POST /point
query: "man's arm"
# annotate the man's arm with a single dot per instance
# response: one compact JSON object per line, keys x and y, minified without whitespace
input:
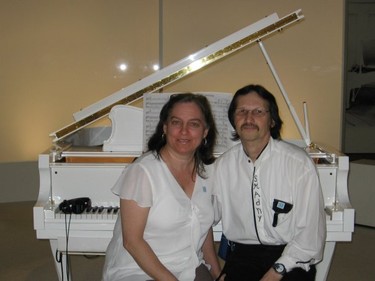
{"x":306,"y":247}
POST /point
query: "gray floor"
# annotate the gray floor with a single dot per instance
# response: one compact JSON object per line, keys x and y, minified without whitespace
{"x":23,"y":257}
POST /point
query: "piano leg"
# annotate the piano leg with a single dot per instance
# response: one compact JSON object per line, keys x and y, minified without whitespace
{"x":61,"y":261}
{"x":322,"y":268}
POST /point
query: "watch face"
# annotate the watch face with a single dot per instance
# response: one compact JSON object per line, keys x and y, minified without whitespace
{"x":280,"y":268}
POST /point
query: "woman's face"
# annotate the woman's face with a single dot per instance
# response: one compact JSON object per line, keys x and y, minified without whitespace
{"x":185,"y":128}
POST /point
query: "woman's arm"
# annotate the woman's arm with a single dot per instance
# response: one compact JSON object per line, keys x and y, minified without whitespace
{"x":133,"y":220}
{"x":209,"y":255}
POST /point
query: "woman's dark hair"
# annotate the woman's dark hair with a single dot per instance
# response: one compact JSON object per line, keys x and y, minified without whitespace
{"x":204,"y":153}
{"x":273,"y":108}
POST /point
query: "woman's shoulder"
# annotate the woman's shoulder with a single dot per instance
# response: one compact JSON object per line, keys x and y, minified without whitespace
{"x":145,"y":162}
{"x":146,"y":158}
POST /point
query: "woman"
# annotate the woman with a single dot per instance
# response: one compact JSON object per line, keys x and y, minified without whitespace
{"x":164,"y":228}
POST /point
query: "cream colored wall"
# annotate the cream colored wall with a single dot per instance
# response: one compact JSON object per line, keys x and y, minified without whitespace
{"x":57,"y":57}
{"x":60,"y":56}
{"x":307,"y":56}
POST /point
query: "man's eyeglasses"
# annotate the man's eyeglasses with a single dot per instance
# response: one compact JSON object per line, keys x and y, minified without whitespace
{"x":257,"y":112}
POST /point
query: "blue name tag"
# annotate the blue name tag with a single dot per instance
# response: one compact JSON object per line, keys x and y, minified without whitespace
{"x":280,"y":205}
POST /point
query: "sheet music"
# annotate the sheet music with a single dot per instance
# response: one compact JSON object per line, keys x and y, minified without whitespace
{"x":219,"y":106}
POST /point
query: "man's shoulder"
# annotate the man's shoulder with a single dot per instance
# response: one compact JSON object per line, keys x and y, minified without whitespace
{"x":228,"y":156}
{"x":231,"y":152}
{"x":292,"y":152}
{"x":286,"y":146}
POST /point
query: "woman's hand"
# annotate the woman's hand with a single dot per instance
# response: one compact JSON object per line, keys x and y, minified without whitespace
{"x":221,"y":278}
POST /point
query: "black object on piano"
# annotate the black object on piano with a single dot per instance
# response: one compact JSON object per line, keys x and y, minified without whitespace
{"x":76,"y":205}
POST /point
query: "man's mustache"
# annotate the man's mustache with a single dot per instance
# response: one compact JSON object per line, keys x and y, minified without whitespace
{"x":249,"y":125}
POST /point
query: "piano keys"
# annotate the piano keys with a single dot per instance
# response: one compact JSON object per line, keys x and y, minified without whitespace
{"x":73,"y":167}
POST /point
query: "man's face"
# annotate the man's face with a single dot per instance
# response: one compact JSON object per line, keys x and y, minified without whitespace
{"x":252,"y":118}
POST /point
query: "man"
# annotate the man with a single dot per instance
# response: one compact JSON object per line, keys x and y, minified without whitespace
{"x":268,"y":196}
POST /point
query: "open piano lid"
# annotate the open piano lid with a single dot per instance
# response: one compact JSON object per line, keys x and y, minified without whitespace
{"x":214,"y":52}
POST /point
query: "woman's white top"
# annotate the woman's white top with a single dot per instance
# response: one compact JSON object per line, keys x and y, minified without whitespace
{"x":176,"y":227}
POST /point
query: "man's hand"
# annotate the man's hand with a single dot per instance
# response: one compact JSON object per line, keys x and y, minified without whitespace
{"x":271,"y":275}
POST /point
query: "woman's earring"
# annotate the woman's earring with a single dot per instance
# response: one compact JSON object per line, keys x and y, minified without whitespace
{"x":204,"y":141}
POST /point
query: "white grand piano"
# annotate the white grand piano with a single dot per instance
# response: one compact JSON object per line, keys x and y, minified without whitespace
{"x":86,"y":161}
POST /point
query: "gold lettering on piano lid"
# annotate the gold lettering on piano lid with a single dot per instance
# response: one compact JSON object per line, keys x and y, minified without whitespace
{"x":99,"y":159}
{"x":196,"y":65}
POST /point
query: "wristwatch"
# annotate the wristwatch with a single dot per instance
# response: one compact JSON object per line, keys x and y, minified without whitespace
{"x":279,"y":268}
